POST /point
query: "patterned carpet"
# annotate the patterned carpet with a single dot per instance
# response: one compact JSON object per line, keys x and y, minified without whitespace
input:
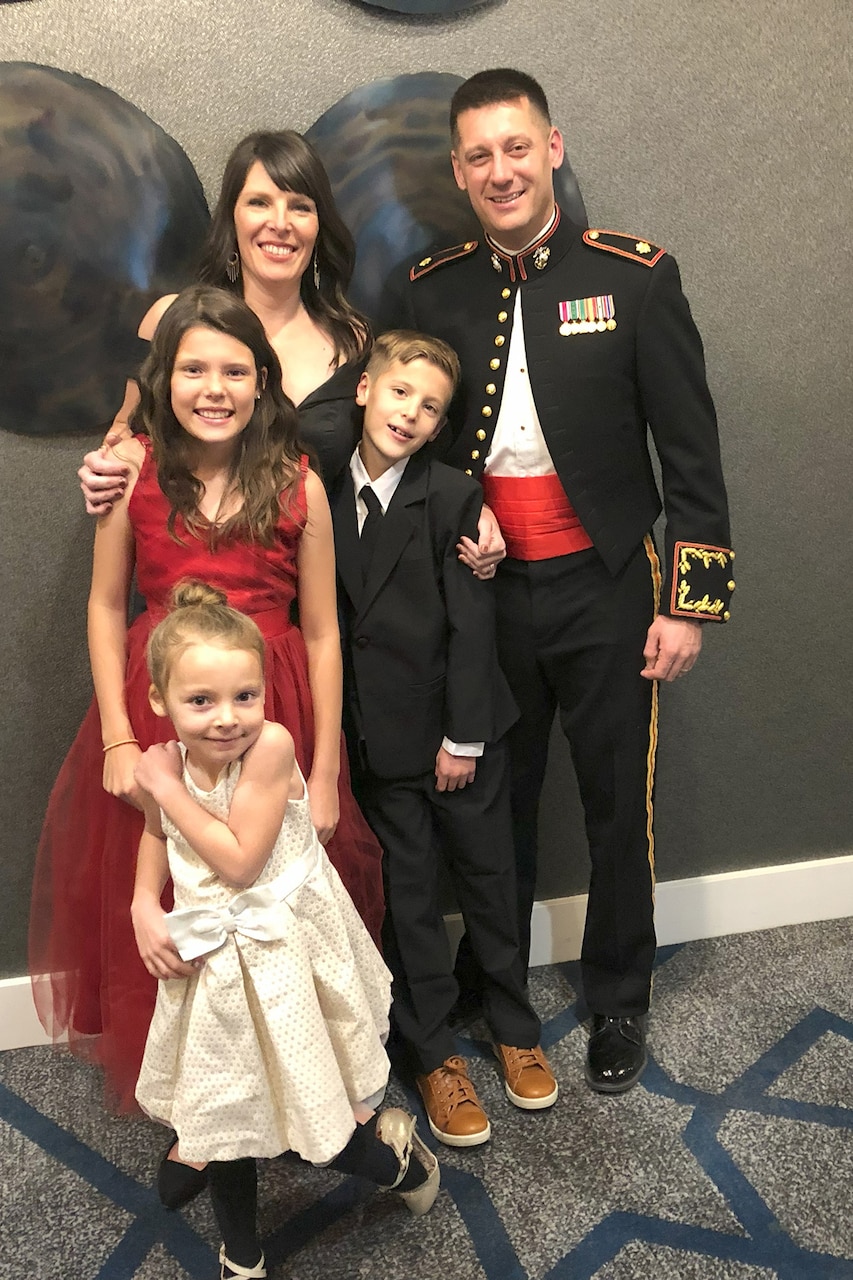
{"x":732,"y":1160}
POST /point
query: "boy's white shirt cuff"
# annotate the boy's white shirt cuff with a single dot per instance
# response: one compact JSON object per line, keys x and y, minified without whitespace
{"x":463,"y":748}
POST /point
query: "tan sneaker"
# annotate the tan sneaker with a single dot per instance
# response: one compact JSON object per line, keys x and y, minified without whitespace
{"x":528,"y":1080}
{"x":453,"y":1109}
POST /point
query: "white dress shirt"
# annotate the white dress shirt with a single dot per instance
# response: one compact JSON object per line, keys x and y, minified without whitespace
{"x":518,"y":445}
{"x":384,"y":487}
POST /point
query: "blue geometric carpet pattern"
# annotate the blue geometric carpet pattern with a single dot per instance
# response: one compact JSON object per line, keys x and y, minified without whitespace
{"x":732,"y":1160}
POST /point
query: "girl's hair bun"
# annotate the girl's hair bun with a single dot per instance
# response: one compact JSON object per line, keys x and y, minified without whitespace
{"x":200,"y":613}
{"x":189,"y":595}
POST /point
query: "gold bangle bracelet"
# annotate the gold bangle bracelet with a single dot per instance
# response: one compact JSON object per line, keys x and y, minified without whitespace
{"x":122,"y":742}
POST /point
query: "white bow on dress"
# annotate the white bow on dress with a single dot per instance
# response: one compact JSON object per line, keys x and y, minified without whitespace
{"x":261,"y":912}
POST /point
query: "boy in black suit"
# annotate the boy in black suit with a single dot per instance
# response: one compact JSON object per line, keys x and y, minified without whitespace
{"x":427,"y":709}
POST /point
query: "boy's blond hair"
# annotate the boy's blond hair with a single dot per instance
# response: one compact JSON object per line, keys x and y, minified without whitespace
{"x":402,"y":346}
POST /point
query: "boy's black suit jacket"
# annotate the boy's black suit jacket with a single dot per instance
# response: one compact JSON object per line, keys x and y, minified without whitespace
{"x":419,"y":636}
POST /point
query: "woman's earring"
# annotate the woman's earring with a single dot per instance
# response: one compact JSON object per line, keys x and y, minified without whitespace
{"x":232,"y":267}
{"x":316,"y":272}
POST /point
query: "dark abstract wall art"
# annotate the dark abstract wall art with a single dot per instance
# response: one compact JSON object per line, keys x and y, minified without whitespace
{"x":387,"y":151}
{"x":426,"y":6}
{"x":100,"y":212}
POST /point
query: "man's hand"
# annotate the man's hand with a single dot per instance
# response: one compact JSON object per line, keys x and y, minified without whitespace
{"x":672,"y":646}
{"x":158,"y":767}
{"x":484,"y":555}
{"x":452,"y":773}
{"x":103,"y":479}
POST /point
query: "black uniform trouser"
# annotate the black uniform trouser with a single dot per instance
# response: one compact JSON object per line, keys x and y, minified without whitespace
{"x":472,"y":828}
{"x":570,"y":638}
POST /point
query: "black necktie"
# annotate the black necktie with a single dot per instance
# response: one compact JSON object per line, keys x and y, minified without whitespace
{"x":370,"y":528}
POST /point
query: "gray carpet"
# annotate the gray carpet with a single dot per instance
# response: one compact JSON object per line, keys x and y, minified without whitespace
{"x":732,"y":1160}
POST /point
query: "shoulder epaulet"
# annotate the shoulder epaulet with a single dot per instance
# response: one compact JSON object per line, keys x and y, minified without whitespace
{"x":625,"y":246}
{"x":439,"y":259}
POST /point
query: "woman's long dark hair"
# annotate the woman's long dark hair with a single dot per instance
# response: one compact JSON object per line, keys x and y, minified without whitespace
{"x":266,"y":461}
{"x":293,"y":165}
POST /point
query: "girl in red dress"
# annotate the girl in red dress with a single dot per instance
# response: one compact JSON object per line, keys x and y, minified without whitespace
{"x":218,"y":492}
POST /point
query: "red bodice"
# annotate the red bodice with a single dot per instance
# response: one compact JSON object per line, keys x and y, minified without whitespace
{"x":254,"y":577}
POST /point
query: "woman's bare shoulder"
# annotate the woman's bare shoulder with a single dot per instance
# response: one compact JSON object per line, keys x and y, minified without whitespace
{"x":154,"y":315}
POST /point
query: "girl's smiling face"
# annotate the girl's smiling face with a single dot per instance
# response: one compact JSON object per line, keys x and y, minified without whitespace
{"x":214,"y":385}
{"x":215,"y":700}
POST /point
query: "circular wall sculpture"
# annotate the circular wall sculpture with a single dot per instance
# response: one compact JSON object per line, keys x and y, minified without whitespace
{"x":426,"y":6}
{"x":100,"y":213}
{"x":387,"y":151}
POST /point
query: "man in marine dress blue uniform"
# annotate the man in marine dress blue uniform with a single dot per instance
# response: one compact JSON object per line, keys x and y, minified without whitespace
{"x":573,"y":343}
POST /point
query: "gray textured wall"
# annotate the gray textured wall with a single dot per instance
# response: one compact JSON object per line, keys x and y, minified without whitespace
{"x":721,"y":130}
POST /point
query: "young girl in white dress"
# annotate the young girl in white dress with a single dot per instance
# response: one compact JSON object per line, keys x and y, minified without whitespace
{"x":272,"y":1009}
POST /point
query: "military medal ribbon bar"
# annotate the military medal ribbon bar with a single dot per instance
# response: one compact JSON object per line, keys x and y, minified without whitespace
{"x":588,"y":315}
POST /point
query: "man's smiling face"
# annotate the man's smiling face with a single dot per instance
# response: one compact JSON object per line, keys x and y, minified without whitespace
{"x":504,"y":157}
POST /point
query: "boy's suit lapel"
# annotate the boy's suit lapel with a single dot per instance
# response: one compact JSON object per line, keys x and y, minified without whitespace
{"x":345,"y":526}
{"x":395,"y":533}
{"x":397,"y":529}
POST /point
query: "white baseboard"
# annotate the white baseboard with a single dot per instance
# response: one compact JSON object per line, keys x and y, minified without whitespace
{"x":685,"y":910}
{"x":19,"y":1024}
{"x":706,"y":906}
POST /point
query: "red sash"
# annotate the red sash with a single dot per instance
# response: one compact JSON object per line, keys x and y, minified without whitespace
{"x":272,"y":622}
{"x":536,"y":518}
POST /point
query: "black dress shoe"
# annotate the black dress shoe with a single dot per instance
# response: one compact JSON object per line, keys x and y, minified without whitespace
{"x":178,"y":1183}
{"x":616,"y":1053}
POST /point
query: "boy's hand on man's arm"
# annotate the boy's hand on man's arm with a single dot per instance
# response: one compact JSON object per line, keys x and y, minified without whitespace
{"x":484,"y":555}
{"x":452,"y":773}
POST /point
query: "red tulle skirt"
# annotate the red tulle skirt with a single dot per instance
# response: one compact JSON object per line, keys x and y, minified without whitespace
{"x":89,"y":983}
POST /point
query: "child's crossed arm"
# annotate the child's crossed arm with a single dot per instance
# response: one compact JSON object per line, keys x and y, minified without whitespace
{"x":237,"y":849}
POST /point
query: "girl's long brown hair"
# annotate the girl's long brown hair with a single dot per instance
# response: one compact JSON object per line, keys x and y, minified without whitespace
{"x":265,"y":468}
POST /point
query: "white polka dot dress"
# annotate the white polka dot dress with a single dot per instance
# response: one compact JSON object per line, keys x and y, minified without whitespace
{"x":272,"y":1043}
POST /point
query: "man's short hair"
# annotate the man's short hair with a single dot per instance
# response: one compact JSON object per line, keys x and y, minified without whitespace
{"x":402,"y":346}
{"x":488,"y":88}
